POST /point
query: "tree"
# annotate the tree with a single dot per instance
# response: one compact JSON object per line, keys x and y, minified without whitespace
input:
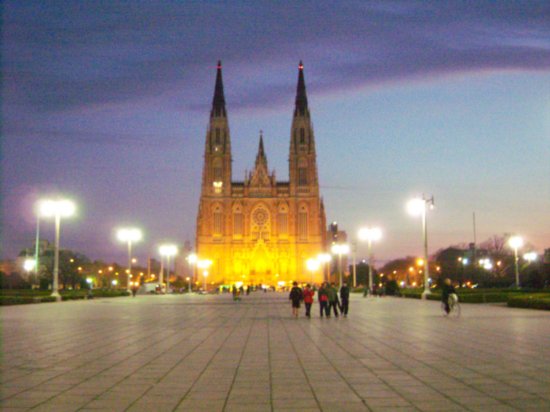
{"x":69,"y":273}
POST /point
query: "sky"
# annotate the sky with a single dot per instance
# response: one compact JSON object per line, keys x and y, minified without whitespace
{"x":107,"y":103}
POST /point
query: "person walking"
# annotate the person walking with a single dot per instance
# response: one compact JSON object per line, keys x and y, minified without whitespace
{"x":332,"y":300}
{"x":322,"y":296}
{"x":344,"y":297}
{"x":308,"y":299}
{"x":296,"y":296}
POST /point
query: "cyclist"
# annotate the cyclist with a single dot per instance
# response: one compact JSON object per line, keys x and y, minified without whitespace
{"x":446,"y":290}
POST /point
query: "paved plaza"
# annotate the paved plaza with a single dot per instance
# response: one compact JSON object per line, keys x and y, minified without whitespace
{"x":208,"y":353}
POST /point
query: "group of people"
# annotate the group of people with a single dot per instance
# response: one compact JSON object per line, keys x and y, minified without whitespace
{"x":327,"y":295}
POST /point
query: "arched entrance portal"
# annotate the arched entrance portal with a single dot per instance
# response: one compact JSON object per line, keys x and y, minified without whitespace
{"x":261,"y":264}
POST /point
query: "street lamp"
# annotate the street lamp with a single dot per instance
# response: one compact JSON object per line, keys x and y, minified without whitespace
{"x":313,"y":266}
{"x":324,"y":258}
{"x":192,"y":259}
{"x":56,"y":209}
{"x":370,"y":234}
{"x":29,"y":265}
{"x":129,"y":235}
{"x":516,"y":242}
{"x":168,"y":251}
{"x":204,"y":264}
{"x":340,"y":249}
{"x":417,"y":207}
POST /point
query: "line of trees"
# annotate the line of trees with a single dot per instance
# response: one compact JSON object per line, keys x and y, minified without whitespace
{"x":490,"y":264}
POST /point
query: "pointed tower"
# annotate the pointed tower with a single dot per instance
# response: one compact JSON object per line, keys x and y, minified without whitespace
{"x":259,"y":177}
{"x":302,"y":159}
{"x":216,"y":176}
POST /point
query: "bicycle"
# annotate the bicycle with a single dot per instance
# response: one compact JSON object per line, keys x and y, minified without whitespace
{"x":454,"y":306}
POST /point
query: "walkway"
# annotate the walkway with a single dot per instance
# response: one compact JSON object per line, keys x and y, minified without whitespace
{"x":207,"y":353}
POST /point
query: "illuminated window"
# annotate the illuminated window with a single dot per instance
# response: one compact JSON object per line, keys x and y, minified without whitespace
{"x":217,"y":186}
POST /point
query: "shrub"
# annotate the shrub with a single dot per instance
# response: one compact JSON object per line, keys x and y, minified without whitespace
{"x":535,"y":301}
{"x":22,"y":300}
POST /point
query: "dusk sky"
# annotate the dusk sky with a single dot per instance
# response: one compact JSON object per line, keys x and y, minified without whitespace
{"x":107,"y":102}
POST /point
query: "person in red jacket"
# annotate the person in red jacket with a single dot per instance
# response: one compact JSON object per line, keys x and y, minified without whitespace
{"x":308,"y":299}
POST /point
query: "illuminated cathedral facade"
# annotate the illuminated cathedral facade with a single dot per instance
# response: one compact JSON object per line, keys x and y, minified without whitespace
{"x":260,"y":230}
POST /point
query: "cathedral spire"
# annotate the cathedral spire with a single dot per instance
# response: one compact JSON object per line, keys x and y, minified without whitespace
{"x":301,"y":97}
{"x":260,"y":157}
{"x":218,"y":102}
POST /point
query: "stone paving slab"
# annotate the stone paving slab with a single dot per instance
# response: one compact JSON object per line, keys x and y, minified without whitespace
{"x":208,"y":353}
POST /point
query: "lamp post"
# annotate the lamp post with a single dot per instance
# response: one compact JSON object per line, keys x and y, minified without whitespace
{"x":36,"y":249}
{"x":168,"y":251}
{"x":325,"y":258}
{"x":417,"y":207}
{"x":56,"y":209}
{"x":370,"y":235}
{"x":515,"y":243}
{"x":313,"y":266}
{"x":129,"y":235}
{"x":340,"y":249}
{"x":204,"y":264}
{"x":192,"y":259}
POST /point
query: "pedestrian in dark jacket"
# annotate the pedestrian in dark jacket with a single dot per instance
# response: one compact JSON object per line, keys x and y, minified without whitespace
{"x":308,"y":299}
{"x":332,"y":299}
{"x":322,"y":296}
{"x":344,"y":297}
{"x":296,"y":296}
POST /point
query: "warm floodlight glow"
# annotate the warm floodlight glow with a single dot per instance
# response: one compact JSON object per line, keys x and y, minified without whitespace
{"x":192,"y":258}
{"x":313,"y":265}
{"x":324,"y":257}
{"x":416,"y":206}
{"x":371,"y":234}
{"x":530,"y":256}
{"x":204,"y":264}
{"x":62,"y":208}
{"x":515,"y":242}
{"x":129,"y":235}
{"x":168,"y":250}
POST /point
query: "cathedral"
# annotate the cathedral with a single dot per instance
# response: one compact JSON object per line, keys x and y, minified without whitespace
{"x":260,"y":230}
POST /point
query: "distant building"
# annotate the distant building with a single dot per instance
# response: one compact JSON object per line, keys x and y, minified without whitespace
{"x":260,"y":230}
{"x":336,"y":236}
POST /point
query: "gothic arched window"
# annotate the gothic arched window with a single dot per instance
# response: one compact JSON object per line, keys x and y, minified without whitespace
{"x":302,"y":176}
{"x":218,"y":221}
{"x":238,"y":223}
{"x":282,"y":221}
{"x":302,"y":223}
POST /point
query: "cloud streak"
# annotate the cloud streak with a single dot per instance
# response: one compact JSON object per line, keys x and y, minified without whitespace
{"x":66,"y":56}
